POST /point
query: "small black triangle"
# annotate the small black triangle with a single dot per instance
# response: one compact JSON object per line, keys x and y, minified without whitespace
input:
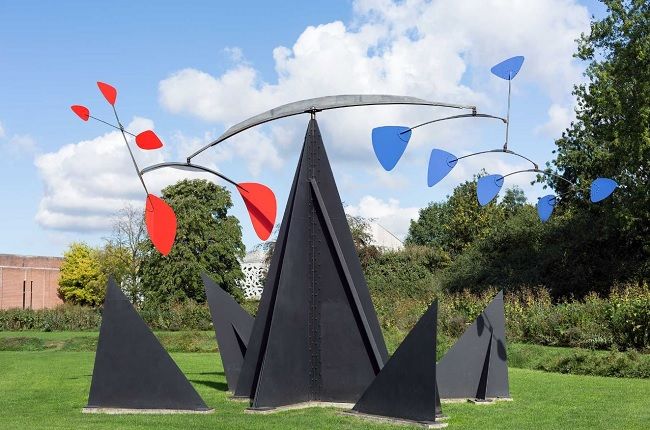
{"x":406,"y":386}
{"x":476,"y":365}
{"x":232,"y":326}
{"x":132,"y":369}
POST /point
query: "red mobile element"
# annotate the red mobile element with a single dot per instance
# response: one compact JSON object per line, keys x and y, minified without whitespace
{"x":148,"y":140}
{"x":109,"y":92}
{"x":262,"y":207}
{"x":81,"y":111}
{"x":161,"y":224}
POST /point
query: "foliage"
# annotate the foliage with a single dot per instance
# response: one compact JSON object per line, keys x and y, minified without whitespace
{"x":207,"y":239}
{"x":82,"y":280}
{"x":362,"y":238}
{"x":455,"y":224}
{"x":611,"y":134}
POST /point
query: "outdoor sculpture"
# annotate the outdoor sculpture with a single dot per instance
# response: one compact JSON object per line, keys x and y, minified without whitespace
{"x":406,"y":386}
{"x":476,"y":366}
{"x":132,"y":371}
{"x":389,"y":143}
{"x":232,"y":327}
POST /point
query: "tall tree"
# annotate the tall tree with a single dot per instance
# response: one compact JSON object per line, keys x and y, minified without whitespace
{"x":207,"y":239}
{"x":125,"y":249}
{"x":611,"y":134}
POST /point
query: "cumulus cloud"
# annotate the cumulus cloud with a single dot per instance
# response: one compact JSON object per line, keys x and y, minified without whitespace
{"x":86,"y":183}
{"x":2,"y":131}
{"x":416,"y":47}
{"x":559,"y":118}
{"x":387,"y":213}
{"x":20,"y":145}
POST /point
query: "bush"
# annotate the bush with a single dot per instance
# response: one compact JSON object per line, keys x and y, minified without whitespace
{"x":64,"y":317}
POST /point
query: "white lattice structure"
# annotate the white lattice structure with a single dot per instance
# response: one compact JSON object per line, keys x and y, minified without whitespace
{"x":254,"y":267}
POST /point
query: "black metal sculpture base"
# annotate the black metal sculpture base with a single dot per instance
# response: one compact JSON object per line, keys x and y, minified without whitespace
{"x":476,"y":366}
{"x":316,"y":337}
{"x":232,"y":327}
{"x":405,"y":388}
{"x":133,"y":372}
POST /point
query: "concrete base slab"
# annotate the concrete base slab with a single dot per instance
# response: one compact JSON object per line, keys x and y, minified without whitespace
{"x":300,"y":406}
{"x":398,"y":421}
{"x":241,"y":399}
{"x":124,"y":411}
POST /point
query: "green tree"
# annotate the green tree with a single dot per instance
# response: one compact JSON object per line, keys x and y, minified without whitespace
{"x":453,"y":225}
{"x":611,"y":134}
{"x":207,"y":239}
{"x":81,"y":280}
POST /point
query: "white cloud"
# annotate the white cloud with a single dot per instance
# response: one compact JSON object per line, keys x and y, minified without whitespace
{"x":559,"y":118}
{"x":2,"y":131}
{"x":388,"y":214}
{"x":415,"y":47}
{"x":20,"y":145}
{"x":86,"y":183}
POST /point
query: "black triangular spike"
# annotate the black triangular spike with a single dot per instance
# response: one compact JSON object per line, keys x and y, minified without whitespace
{"x":132,"y":369}
{"x":462,"y":372}
{"x":317,"y":337}
{"x":232,"y":326}
{"x":406,"y":386}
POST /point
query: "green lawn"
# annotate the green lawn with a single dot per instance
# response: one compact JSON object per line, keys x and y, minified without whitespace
{"x":47,"y":389}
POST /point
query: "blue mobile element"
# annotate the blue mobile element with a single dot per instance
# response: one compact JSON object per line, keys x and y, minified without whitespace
{"x":602,"y":188}
{"x":389,"y":143}
{"x":488,"y":187}
{"x":440,"y":164}
{"x":545,"y":206}
{"x":509,"y":68}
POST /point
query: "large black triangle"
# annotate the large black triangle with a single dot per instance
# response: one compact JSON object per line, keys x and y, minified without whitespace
{"x":316,"y":337}
{"x":406,"y":386}
{"x":232,"y":326}
{"x":132,"y":369}
{"x":476,"y":365}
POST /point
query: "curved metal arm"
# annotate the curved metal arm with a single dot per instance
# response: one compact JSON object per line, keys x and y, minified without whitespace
{"x":543,"y":172}
{"x":318,"y":104}
{"x":467,"y":115}
{"x":188,"y":166}
{"x":507,"y":151}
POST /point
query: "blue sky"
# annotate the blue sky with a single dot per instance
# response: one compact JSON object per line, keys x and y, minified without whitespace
{"x":192,"y":71}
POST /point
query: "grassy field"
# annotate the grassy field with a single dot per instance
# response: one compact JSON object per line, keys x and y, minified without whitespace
{"x":47,"y":389}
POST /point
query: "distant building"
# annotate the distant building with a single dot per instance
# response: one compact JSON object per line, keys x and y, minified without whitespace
{"x":254,"y":263}
{"x":29,"y":282}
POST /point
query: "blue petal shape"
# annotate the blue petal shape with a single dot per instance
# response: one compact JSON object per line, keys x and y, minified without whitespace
{"x":602,"y":188}
{"x":440,"y":164}
{"x":389,"y":144}
{"x":509,"y":68}
{"x":488,"y":187}
{"x":545,"y":207}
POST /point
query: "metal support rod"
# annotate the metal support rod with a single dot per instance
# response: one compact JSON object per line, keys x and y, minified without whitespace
{"x":507,"y":151}
{"x":323,"y":103}
{"x":190,"y":166}
{"x":467,"y":115}
{"x":505,"y":146}
{"x":348,"y":277}
{"x":542,"y":172}
{"x":111,"y":125}
{"x":126,"y":141}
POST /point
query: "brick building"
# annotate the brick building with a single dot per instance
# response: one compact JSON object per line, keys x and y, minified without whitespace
{"x":29,"y":282}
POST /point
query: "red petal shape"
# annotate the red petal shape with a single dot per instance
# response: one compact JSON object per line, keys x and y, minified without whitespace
{"x":109,"y":92}
{"x":148,"y":140}
{"x":262,"y":207}
{"x":81,"y":111}
{"x":161,"y":224}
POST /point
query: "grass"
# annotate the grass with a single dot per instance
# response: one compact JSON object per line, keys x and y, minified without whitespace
{"x":47,"y":389}
{"x":525,"y":356}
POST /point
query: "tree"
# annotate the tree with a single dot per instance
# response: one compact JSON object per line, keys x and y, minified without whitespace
{"x":453,"y":225}
{"x":81,"y":279}
{"x":207,"y":239}
{"x":611,"y":134}
{"x":362,"y":238}
{"x":124,"y":250}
